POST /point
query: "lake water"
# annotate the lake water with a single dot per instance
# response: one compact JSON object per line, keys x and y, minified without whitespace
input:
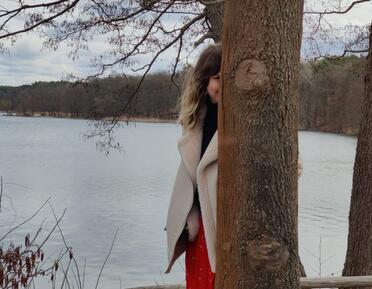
{"x":44,"y":158}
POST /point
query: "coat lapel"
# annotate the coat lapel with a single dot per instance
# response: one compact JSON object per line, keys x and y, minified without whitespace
{"x":189,"y":146}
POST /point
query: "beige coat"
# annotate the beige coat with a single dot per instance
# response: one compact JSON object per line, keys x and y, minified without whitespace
{"x":193,"y":173}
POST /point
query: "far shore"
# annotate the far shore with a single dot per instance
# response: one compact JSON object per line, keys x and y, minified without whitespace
{"x":69,"y":116}
{"x":128,"y":119}
{"x":145,"y":119}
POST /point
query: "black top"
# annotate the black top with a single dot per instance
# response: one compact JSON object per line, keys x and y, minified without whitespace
{"x":209,"y":125}
{"x":209,"y":128}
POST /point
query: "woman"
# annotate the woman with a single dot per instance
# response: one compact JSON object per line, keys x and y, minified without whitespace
{"x":191,"y":223}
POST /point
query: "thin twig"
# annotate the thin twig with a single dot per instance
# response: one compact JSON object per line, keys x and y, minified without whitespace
{"x":85,"y":263}
{"x":65,"y":272}
{"x":67,"y":247}
{"x":24,"y":222}
{"x":104,"y":263}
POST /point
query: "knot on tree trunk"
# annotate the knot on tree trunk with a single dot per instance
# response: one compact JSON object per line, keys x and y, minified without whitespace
{"x":267,"y":253}
{"x":251,"y":74}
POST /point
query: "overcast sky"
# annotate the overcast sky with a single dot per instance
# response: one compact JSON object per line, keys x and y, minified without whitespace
{"x":26,"y":62}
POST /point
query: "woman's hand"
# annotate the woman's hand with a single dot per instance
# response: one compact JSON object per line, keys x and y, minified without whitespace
{"x":192,"y":223}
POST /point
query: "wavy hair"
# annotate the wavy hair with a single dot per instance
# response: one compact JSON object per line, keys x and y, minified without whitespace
{"x":194,"y":92}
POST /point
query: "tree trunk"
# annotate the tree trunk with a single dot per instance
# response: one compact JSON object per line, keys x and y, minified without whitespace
{"x":215,"y":18}
{"x":359,"y":250}
{"x":257,"y":203}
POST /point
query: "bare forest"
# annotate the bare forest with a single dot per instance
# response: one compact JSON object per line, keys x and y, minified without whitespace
{"x":331,"y":95}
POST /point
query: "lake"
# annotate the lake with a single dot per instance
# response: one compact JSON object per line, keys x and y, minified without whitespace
{"x":43,"y":158}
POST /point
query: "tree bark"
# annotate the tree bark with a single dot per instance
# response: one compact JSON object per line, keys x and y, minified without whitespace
{"x":359,"y":250}
{"x":214,"y":15}
{"x":257,"y":203}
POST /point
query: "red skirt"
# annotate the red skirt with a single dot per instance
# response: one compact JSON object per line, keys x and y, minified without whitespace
{"x":198,"y":269}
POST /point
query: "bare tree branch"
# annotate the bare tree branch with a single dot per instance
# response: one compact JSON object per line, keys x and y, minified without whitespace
{"x":337,"y":11}
{"x":175,"y":66}
{"x":105,"y":128}
{"x":135,"y":48}
{"x":26,"y":7}
{"x":202,"y":39}
{"x":41,"y":22}
{"x":24,"y":222}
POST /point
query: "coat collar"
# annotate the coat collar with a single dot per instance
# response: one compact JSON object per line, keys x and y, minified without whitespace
{"x":189,"y":146}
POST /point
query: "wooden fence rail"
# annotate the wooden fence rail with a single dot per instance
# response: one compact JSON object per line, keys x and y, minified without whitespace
{"x":324,"y":282}
{"x":336,"y":282}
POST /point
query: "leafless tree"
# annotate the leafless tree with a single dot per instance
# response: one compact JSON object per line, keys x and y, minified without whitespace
{"x":324,"y":38}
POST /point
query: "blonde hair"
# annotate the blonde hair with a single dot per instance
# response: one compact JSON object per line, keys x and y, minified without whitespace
{"x":194,"y":92}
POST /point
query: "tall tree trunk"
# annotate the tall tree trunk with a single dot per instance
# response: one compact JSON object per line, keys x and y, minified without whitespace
{"x":257,"y":203}
{"x":359,"y":250}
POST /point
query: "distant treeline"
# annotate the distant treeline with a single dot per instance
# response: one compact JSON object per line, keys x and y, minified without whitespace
{"x":331,"y":96}
{"x":101,"y":98}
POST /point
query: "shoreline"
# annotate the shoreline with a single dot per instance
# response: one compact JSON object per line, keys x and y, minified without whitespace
{"x":144,"y":119}
{"x":122,"y":119}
